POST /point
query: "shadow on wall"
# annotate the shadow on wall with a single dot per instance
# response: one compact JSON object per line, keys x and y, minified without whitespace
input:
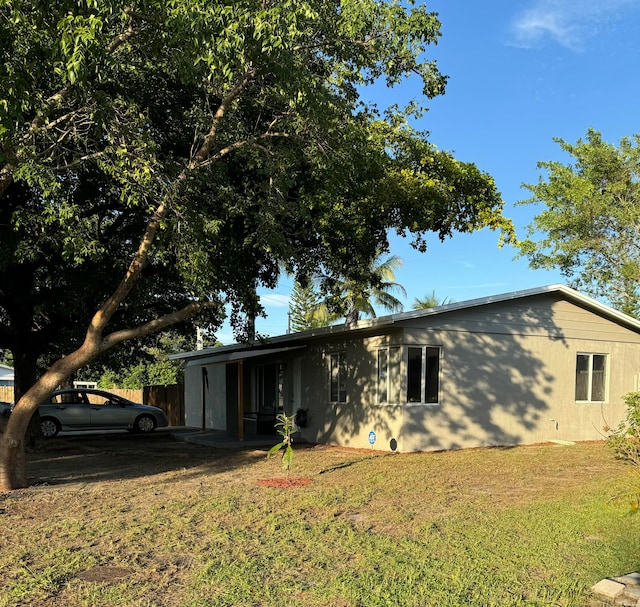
{"x":496,"y":382}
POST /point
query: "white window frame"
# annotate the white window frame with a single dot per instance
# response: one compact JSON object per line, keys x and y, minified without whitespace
{"x":383,"y":385}
{"x":423,"y":375}
{"x":605,"y":387}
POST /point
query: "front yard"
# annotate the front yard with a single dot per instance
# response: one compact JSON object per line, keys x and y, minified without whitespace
{"x":149,"y":521}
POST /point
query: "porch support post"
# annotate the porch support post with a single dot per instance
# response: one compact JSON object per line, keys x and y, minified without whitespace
{"x":205,"y":387}
{"x":241,"y":400}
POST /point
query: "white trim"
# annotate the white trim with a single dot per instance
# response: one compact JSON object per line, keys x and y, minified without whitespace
{"x":236,"y":355}
{"x":606,"y":357}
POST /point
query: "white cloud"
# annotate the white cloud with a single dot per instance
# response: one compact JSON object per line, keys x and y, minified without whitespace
{"x":275,"y":300}
{"x":569,"y":23}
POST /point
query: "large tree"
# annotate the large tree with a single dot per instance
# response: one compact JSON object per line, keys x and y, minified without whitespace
{"x":589,"y":227}
{"x":327,"y":299}
{"x":223,"y":140}
{"x":46,"y":297}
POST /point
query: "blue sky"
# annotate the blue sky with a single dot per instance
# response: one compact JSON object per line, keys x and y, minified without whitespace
{"x":521,"y":72}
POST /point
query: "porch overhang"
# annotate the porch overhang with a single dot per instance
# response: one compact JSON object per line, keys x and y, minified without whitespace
{"x":239,"y":355}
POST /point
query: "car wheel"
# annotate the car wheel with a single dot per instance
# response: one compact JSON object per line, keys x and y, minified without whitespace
{"x":49,"y":427}
{"x":145,"y":423}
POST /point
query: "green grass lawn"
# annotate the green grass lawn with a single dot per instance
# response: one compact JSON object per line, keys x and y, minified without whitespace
{"x":169,"y":524}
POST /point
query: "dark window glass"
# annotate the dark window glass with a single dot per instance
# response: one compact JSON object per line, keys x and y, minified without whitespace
{"x":414,"y":376}
{"x":338,"y":387}
{"x":598,"y":377}
{"x":383,"y":376}
{"x":432,"y":376}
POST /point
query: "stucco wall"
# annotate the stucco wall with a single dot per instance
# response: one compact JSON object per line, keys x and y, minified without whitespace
{"x":507,"y":377}
{"x":349,"y":424}
{"x":215,"y":397}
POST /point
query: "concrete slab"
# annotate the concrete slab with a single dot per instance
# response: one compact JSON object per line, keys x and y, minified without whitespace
{"x":608,"y":589}
{"x":223,"y":440}
{"x":631,"y":580}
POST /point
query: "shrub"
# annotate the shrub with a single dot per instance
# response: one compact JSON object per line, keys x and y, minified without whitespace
{"x":625,"y":440}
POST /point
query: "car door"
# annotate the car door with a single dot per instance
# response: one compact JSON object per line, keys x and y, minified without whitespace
{"x":109,"y":411}
{"x":71,"y":409}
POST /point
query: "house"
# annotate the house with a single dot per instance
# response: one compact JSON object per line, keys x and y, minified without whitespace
{"x":6,"y":375}
{"x":525,"y":367}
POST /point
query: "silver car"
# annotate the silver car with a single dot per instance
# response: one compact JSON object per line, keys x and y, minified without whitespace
{"x":79,"y":409}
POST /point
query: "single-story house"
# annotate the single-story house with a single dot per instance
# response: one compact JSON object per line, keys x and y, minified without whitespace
{"x":524,"y":367}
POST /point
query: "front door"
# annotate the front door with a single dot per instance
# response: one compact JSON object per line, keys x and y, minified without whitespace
{"x":268,"y":396}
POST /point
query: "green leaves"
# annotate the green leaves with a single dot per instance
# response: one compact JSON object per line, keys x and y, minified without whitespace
{"x":588,"y":228}
{"x":285,"y":427}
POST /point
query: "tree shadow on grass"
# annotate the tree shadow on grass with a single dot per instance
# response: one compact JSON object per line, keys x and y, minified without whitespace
{"x":110,"y":457}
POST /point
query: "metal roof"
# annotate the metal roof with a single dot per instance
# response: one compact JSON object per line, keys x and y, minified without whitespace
{"x":241,"y":351}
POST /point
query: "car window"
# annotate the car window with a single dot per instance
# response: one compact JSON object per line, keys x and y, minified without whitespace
{"x":68,"y":398}
{"x":96,"y":399}
{"x":115,"y":400}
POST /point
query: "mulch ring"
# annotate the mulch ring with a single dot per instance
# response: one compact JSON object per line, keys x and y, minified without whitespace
{"x":284,"y":483}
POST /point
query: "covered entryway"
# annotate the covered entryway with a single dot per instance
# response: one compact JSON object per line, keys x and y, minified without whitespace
{"x":240,"y":392}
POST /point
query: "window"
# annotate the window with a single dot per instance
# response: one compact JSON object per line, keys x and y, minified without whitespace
{"x":591,"y":377}
{"x":337,"y":378}
{"x":268,"y":387}
{"x":423,"y":375}
{"x":383,"y":376}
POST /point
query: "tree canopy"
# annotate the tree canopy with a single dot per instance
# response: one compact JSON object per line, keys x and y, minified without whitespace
{"x":430,"y":301}
{"x":591,"y":219}
{"x":349,"y":298}
{"x":326,"y":300}
{"x":304,"y":302}
{"x":192,"y":149}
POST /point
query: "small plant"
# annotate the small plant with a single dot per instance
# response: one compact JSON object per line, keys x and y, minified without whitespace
{"x":625,"y":439}
{"x":285,"y":428}
{"x":625,"y":442}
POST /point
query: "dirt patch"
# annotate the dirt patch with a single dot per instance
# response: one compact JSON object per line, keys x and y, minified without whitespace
{"x":103,"y":573}
{"x":284,"y":483}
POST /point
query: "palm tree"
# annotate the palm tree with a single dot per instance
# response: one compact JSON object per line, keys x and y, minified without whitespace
{"x":430,"y":301}
{"x":360,"y":299}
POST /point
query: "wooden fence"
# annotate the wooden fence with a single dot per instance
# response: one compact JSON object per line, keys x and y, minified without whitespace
{"x":168,"y":398}
{"x":6,"y":394}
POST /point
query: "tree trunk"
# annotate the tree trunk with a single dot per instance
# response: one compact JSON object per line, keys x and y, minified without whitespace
{"x":13,"y":466}
{"x":25,"y":366}
{"x":25,"y":371}
{"x":13,"y":469}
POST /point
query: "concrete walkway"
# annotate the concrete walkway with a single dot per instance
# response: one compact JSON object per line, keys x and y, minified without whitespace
{"x":221,"y":439}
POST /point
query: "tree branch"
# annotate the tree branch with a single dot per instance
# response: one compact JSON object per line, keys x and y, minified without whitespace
{"x":201,"y":155}
{"x":240,"y":144}
{"x":9,"y":167}
{"x":157,"y":324}
{"x":139,"y":261}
